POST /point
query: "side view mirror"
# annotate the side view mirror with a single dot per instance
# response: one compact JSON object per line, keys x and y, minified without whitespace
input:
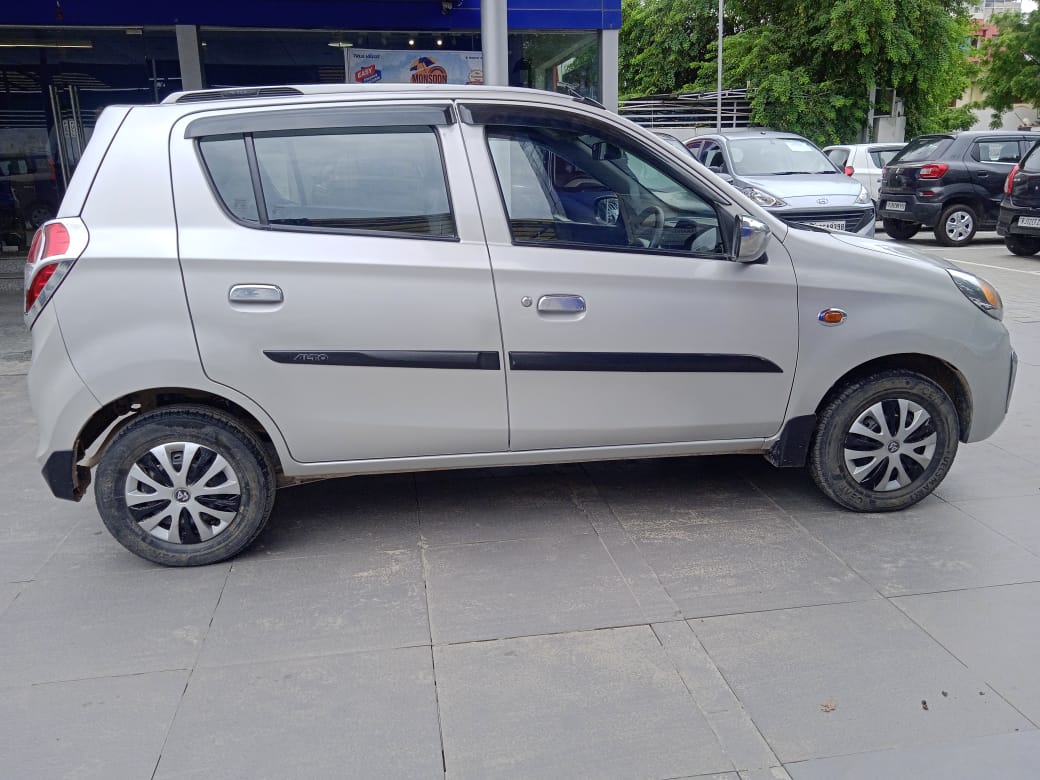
{"x":751,"y":239}
{"x":718,"y":171}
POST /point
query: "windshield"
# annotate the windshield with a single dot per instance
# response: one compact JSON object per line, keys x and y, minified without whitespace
{"x":923,"y":149}
{"x":777,"y":157}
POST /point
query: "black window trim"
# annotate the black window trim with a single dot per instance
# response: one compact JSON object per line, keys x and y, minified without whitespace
{"x":261,"y":204}
{"x":522,"y":118}
{"x":325,"y":118}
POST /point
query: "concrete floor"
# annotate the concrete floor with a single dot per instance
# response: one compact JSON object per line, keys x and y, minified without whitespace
{"x":707,"y":617}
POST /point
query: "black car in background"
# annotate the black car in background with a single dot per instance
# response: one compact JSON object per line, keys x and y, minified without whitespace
{"x":1019,"y":219}
{"x":950,"y":182}
{"x":32,"y":178}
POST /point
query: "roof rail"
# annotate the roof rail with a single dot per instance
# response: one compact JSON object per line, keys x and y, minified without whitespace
{"x":237,"y":92}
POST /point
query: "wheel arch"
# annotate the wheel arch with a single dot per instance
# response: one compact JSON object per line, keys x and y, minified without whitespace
{"x":939,"y":371}
{"x":112,"y":417}
{"x":791,"y":447}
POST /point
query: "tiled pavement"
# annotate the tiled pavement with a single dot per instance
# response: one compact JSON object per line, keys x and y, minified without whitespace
{"x":708,"y":617}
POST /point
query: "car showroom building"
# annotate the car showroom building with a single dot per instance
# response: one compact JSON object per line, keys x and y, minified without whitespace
{"x":63,"y":61}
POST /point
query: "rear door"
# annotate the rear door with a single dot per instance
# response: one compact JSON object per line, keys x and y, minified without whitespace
{"x":625,"y":323}
{"x":994,"y":158}
{"x":333,"y":279}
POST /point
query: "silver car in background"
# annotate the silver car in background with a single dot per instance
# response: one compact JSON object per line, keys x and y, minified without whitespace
{"x":788,"y":175}
{"x":336,"y":280}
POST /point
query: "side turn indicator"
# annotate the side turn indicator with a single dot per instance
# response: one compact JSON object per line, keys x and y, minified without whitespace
{"x":832,"y":316}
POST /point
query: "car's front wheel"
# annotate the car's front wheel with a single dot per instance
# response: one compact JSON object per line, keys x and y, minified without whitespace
{"x":884,"y":442}
{"x":956,"y":226}
{"x":185,"y":486}
{"x":1022,"y":245}
{"x":900,"y":230}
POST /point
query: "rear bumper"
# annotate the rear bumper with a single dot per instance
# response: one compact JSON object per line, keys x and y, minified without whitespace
{"x":1009,"y":221}
{"x":62,"y":404}
{"x":923,"y":213}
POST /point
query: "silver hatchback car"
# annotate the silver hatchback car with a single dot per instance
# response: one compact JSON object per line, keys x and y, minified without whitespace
{"x":250,"y":289}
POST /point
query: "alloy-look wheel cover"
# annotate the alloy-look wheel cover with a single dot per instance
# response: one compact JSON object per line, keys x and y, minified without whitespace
{"x":959,"y":225}
{"x":183,"y":492}
{"x":890,"y":445}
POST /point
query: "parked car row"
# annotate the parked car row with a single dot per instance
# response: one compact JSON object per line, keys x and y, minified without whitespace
{"x":959,"y":183}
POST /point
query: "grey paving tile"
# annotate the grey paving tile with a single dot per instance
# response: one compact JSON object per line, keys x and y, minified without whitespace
{"x":9,"y":591}
{"x":103,"y":728}
{"x":925,"y":548}
{"x":1016,"y":518}
{"x":534,"y":505}
{"x":21,"y":559}
{"x":984,"y":470}
{"x":999,"y":756}
{"x":128,"y":623}
{"x":683,"y":490}
{"x":601,"y":704}
{"x":771,"y":773}
{"x":340,"y":515}
{"x":994,"y":631}
{"x":849,"y":678}
{"x":370,"y":715}
{"x":90,"y":550}
{"x":730,"y":722}
{"x":298,"y":607}
{"x":494,"y":590}
{"x":770,"y":563}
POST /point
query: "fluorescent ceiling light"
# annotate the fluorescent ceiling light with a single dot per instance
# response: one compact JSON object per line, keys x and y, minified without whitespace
{"x":341,"y":44}
{"x":46,"y":45}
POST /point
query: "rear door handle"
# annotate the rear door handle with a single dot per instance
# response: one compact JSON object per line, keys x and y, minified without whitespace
{"x":255,"y":293}
{"x":561,"y":304}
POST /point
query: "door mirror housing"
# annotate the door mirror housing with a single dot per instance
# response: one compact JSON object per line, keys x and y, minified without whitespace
{"x":752,"y":237}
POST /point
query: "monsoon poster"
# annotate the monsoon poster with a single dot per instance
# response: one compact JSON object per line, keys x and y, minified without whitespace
{"x":371,"y":66}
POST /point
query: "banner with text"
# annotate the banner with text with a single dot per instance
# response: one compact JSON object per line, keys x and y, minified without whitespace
{"x":370,"y":66}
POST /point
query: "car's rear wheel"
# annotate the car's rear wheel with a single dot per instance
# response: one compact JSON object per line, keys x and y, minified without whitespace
{"x":884,"y":442}
{"x":956,"y":226}
{"x":185,"y":486}
{"x":1022,"y":245}
{"x":900,"y":230}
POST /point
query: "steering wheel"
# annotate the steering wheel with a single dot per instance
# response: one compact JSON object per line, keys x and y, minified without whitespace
{"x":651,"y":233}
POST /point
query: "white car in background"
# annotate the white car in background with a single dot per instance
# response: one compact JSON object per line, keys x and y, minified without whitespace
{"x":863,"y":162}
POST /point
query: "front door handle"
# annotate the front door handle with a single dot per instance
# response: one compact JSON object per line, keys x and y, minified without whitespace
{"x":561,"y":304}
{"x":255,"y":293}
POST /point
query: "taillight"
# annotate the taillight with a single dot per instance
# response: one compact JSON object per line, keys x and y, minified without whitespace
{"x":55,"y":248}
{"x":933,"y":171}
{"x":1009,"y":183}
{"x":849,"y":170}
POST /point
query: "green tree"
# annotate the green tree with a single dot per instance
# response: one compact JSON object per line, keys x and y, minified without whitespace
{"x":1012,"y":72}
{"x":811,"y":64}
{"x":663,"y":44}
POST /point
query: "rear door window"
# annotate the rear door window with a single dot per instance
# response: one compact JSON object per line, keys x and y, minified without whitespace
{"x":1004,"y":150}
{"x":882,"y":157}
{"x":388,"y":180}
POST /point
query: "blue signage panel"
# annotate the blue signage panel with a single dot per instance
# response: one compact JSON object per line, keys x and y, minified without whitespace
{"x":317,"y":14}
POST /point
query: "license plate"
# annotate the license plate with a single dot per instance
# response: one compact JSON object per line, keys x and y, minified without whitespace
{"x":828,"y":225}
{"x":895,"y":205}
{"x":1029,"y":222}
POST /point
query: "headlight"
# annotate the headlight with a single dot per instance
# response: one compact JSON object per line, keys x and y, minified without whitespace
{"x":980,"y":292}
{"x":761,"y":197}
{"x":864,"y":196}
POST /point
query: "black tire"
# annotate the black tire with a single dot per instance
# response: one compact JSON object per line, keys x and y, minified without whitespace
{"x":900,"y":230}
{"x":957,"y":225}
{"x":39,"y":213}
{"x":240,"y":511}
{"x":1022,"y":245}
{"x":873,"y":490}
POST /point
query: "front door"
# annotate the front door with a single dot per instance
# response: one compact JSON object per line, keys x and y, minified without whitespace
{"x":624,"y":322}
{"x":332,"y":279}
